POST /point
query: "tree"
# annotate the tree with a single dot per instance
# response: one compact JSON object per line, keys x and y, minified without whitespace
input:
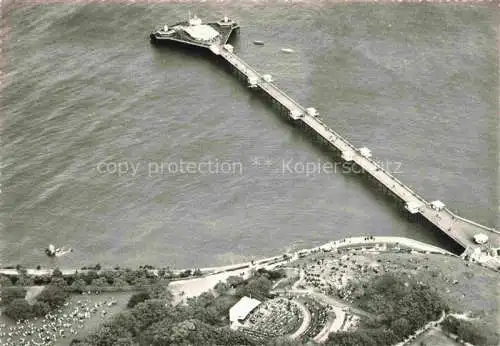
{"x":186,"y":273}
{"x":78,"y":285}
{"x":89,"y":276}
{"x":160,"y":290}
{"x":357,"y":338}
{"x":283,"y":341}
{"x":119,"y":282}
{"x":157,"y":334}
{"x":105,"y":335}
{"x":125,"y":322}
{"x":149,"y":312}
{"x":5,"y":281}
{"x":7,"y":295}
{"x":137,"y":298}
{"x":40,"y":308}
{"x":259,"y":287}
{"x":25,"y":280}
{"x":42,"y":280}
{"x":100,"y":282}
{"x":234,"y":281}
{"x":120,"y":330}
{"x":110,"y":276}
{"x":53,"y":295}
{"x":57,"y":273}
{"x":470,"y":331}
{"x":221,"y":288}
{"x":59,"y":281}
{"x":401,"y":327}
{"x":197,"y":272}
{"x":18,"y":309}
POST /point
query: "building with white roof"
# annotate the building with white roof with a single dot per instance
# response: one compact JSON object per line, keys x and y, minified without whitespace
{"x":481,"y":238}
{"x":437,"y":205}
{"x":413,"y":207}
{"x":201,"y":32}
{"x":348,"y":155}
{"x":242,"y":309}
{"x":312,"y":111}
{"x":365,"y":152}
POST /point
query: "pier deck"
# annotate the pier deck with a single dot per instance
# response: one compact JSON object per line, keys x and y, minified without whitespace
{"x":457,"y":228}
{"x":460,"y":229}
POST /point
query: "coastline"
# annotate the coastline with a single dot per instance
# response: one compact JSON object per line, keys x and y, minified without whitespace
{"x":255,"y":264}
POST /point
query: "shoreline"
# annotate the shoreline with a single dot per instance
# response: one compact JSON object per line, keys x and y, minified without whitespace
{"x":335,"y":244}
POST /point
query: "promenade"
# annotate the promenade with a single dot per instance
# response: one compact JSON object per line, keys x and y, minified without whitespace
{"x":269,"y":263}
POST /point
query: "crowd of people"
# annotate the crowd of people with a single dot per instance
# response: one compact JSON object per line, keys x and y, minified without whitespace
{"x":319,"y":316}
{"x":64,"y":322}
{"x":277,"y":317}
{"x":331,"y":274}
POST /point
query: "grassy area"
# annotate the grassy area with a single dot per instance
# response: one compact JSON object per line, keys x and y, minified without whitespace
{"x":465,"y":287}
{"x":98,"y":318}
{"x":84,"y":326}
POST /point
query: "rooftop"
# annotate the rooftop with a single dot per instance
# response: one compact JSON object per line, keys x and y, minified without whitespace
{"x":242,"y":308}
{"x":201,"y":32}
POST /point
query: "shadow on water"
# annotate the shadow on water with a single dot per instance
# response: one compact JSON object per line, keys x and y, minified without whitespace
{"x":317,"y":144}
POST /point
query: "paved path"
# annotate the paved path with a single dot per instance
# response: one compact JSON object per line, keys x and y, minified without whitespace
{"x":306,"y":321}
{"x":327,"y":300}
{"x":323,"y":334}
{"x":423,"y":329}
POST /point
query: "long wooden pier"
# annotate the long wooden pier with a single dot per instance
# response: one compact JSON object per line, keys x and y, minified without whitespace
{"x":460,"y":229}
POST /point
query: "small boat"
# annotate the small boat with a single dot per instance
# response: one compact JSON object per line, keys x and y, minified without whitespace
{"x":258,"y":43}
{"x":287,"y":50}
{"x":50,"y":251}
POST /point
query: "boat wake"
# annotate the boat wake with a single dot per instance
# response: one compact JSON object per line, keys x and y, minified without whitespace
{"x":51,"y":251}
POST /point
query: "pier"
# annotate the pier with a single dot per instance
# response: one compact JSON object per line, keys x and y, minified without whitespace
{"x":435,"y":213}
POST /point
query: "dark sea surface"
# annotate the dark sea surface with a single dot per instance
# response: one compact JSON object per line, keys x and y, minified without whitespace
{"x":417,"y":84}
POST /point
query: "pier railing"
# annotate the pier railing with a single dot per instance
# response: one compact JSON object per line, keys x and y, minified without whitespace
{"x":442,"y":219}
{"x":344,"y":144}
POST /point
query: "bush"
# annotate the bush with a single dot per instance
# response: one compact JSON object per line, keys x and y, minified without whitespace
{"x":470,"y":331}
{"x":234,"y":281}
{"x":42,"y":280}
{"x":5,"y":281}
{"x":40,"y":308}
{"x":197,"y":272}
{"x":272,"y":274}
{"x":78,"y":285}
{"x":203,"y":321}
{"x":57,"y":273}
{"x":137,"y":298}
{"x":11,"y":293}
{"x":87,"y":276}
{"x":19,"y":309}
{"x":54,"y":296}
{"x":185,"y":273}
{"x":400,"y":308}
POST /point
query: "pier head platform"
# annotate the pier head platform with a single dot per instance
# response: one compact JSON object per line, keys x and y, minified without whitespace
{"x":194,"y":32}
{"x":474,"y":238}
